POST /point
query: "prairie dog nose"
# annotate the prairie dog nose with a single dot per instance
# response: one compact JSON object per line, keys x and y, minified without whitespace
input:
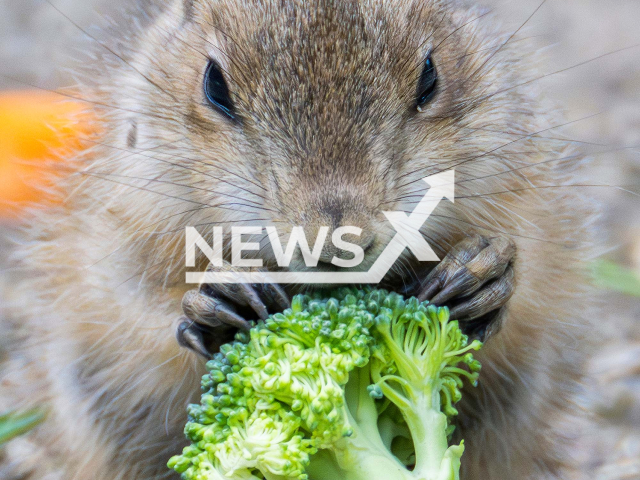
{"x":349,"y":221}
{"x":347,"y":248}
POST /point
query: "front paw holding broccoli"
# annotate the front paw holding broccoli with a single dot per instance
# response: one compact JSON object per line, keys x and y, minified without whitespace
{"x":215,"y":311}
{"x":361,"y":386}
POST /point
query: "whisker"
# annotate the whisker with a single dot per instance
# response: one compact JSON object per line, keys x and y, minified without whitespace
{"x":111,"y":51}
{"x":164,"y":219}
{"x":537,"y":187}
{"x":578,"y":156}
{"x":470,"y":159}
{"x":559,"y":139}
{"x":492,"y":47}
{"x":411,"y":57}
{"x":493,"y":54}
{"x":185,"y":167}
{"x":599,"y":57}
{"x":494,"y":230}
{"x":207,"y":57}
{"x":227,"y":36}
{"x":168,"y":182}
{"x":208,"y":224}
{"x":222,"y":206}
{"x":84,"y":100}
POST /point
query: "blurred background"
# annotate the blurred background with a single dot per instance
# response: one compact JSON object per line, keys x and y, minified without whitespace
{"x":36,"y":42}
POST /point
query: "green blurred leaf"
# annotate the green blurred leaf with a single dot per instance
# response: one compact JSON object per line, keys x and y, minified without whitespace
{"x":612,"y":276}
{"x":14,"y":424}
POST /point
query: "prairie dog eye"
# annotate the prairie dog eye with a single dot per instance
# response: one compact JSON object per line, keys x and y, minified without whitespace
{"x":427,"y":84}
{"x":217,"y":91}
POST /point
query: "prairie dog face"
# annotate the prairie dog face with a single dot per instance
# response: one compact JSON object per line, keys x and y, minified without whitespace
{"x":317,"y":113}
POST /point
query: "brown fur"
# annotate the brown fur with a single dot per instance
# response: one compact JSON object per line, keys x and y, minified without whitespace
{"x":327,"y":133}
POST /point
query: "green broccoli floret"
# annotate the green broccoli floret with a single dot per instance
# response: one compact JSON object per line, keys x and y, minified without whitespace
{"x":359,"y":386}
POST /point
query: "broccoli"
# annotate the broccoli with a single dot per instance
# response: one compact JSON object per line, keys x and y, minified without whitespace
{"x":359,"y":386}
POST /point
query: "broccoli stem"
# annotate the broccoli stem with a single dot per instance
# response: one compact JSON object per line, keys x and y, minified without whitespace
{"x":435,"y":459}
{"x":356,"y":462}
{"x":364,"y":455}
{"x":416,"y":391}
{"x":357,"y":458}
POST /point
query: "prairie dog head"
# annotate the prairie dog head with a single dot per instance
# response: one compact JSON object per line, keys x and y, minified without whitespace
{"x":315,"y":114}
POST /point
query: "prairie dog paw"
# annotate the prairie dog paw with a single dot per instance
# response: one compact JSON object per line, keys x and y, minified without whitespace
{"x":475,"y":279}
{"x":215,"y":312}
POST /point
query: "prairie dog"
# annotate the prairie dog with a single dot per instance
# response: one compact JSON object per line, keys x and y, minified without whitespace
{"x":298,"y":113}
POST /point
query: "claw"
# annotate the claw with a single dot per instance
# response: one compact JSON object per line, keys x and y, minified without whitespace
{"x":459,"y":284}
{"x":278,"y":295}
{"x":211,"y":311}
{"x":462,"y":253}
{"x":429,"y":289}
{"x":189,"y":336}
{"x":491,"y":297}
{"x":483,"y":327}
{"x":251,"y":298}
{"x":243,"y":295}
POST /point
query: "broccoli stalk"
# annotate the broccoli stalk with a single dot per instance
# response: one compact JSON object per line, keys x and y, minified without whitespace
{"x":427,"y":351}
{"x":359,"y":387}
{"x":363,"y":454}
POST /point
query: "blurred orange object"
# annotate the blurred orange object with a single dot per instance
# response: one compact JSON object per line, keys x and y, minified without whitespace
{"x":35,"y":129}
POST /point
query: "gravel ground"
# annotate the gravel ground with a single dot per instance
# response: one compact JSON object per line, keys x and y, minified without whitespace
{"x":35,"y":39}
